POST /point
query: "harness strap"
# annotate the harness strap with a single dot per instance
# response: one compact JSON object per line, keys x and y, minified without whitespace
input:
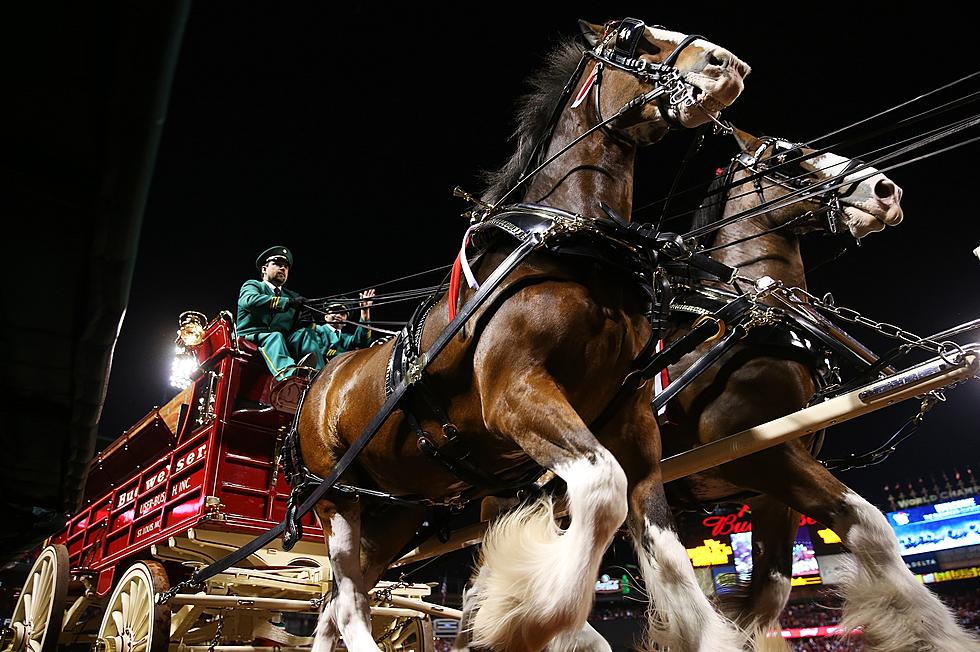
{"x":692,"y":372}
{"x":714,"y":326}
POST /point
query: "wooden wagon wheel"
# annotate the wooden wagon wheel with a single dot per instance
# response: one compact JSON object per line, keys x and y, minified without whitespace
{"x":133,"y":621}
{"x":36,"y":623}
{"x":407,"y":635}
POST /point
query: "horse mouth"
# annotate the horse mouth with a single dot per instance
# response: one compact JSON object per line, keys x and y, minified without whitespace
{"x":713,"y":94}
{"x":860,"y":222}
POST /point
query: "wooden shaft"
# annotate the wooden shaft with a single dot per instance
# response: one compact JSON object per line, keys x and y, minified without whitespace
{"x":911,"y":383}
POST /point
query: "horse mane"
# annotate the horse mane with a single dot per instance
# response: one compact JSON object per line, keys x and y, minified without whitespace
{"x":533,"y":115}
{"x":712,"y":207}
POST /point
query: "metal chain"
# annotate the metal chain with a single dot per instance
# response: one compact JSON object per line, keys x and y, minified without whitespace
{"x":884,"y":451}
{"x":217,"y":633}
{"x":384,"y":595}
{"x":949,"y":351}
{"x":388,"y":633}
{"x":165,"y":596}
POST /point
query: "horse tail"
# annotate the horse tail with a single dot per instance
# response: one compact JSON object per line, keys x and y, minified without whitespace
{"x":516,"y":608}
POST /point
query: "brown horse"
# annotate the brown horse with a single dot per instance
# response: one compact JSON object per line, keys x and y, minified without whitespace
{"x":533,"y":367}
{"x":757,"y":381}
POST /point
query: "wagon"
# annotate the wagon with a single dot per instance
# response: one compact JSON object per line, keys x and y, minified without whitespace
{"x":188,"y":483}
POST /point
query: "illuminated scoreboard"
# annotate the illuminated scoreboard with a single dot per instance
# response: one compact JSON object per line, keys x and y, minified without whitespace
{"x":940,"y":542}
{"x":937,"y":527}
{"x":721,"y":546}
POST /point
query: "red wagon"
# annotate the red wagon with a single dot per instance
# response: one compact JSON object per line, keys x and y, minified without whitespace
{"x":187,"y":484}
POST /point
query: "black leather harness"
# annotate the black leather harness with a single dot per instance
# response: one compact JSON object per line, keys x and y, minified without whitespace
{"x":605,"y":243}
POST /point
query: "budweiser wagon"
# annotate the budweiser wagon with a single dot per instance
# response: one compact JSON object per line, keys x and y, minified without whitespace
{"x":187,"y":484}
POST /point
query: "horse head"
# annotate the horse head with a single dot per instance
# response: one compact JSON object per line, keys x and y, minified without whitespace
{"x":837,"y":192}
{"x":628,"y":57}
{"x":577,"y":130}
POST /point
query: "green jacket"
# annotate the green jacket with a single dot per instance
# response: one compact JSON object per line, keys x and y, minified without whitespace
{"x":261,"y":311}
{"x":333,"y":342}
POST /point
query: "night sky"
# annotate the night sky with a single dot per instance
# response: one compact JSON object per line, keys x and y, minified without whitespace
{"x":342,"y":135}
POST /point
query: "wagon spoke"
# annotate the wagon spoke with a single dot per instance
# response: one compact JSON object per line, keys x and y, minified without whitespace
{"x":141,"y":619}
{"x":136,"y":600}
{"x":47,"y":571}
{"x":124,"y":599}
{"x":117,"y":618}
{"x":44,"y":595}
{"x":40,"y":621}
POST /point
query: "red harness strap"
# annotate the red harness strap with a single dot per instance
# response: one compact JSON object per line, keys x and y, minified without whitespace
{"x":452,"y":297}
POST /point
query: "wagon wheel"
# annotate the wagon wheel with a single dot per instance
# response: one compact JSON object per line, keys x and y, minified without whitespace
{"x":36,"y":623}
{"x":407,"y":635}
{"x":133,"y":622}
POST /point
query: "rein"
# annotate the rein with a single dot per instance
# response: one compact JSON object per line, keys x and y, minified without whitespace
{"x":759,"y":167}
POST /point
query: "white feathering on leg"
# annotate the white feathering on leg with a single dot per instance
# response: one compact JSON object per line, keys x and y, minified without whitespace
{"x":896,"y":612}
{"x":537,"y":580}
{"x":680,"y":618}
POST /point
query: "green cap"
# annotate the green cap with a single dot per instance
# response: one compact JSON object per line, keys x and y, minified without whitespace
{"x":274,"y":252}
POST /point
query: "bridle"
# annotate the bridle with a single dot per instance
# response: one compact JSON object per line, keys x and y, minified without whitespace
{"x":617,"y":49}
{"x":783,"y":168}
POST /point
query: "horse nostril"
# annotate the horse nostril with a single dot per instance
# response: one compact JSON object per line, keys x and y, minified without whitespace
{"x":884,"y":189}
{"x":717,"y":58}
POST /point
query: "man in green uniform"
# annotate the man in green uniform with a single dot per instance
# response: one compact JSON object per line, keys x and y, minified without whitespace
{"x":267,"y":314}
{"x":333,"y":339}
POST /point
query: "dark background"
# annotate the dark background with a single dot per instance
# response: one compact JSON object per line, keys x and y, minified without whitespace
{"x":341,"y":132}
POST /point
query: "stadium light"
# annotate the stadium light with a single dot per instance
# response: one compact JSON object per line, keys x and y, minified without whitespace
{"x":183,"y":365}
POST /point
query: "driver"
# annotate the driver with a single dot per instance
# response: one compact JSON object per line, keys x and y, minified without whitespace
{"x":267,"y":315}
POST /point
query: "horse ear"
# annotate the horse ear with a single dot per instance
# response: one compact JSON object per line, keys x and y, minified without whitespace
{"x":591,"y":33}
{"x":746,"y":141}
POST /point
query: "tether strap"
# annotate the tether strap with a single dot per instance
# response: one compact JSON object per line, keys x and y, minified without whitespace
{"x":727,"y":314}
{"x":692,"y":372}
{"x":513,"y":260}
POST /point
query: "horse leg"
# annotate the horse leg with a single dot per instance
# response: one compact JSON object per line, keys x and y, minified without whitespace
{"x":756,"y":609}
{"x":896,"y":612}
{"x":681,"y":617}
{"x":384,"y":533}
{"x":538,"y":580}
{"x":348,"y":612}
{"x":586,"y":639}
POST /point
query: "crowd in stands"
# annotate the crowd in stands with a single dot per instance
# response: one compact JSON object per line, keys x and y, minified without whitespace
{"x":617,"y":612}
{"x":964,"y":602}
{"x":824,"y":613}
{"x":827,"y":644}
{"x":443,"y":645}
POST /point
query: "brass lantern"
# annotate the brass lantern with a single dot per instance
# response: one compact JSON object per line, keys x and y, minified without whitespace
{"x":190,"y":328}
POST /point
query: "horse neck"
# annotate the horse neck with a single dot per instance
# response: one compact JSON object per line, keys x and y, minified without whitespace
{"x":600,"y":168}
{"x":776,"y":254}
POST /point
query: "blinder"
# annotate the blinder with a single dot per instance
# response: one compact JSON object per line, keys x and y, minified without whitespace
{"x":618,"y":49}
